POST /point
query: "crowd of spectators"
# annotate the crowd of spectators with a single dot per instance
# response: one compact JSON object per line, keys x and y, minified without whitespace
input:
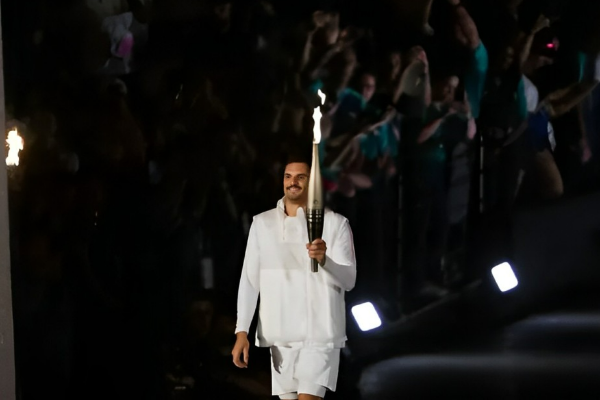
{"x":155,"y":130}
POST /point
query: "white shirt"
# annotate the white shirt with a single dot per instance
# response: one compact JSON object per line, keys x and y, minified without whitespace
{"x":297,"y":306}
{"x":532,"y":97}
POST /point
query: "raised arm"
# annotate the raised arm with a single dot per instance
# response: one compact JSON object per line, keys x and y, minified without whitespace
{"x":524,"y":40}
{"x":339,"y":147}
{"x":466,"y":33}
{"x":465,"y":30}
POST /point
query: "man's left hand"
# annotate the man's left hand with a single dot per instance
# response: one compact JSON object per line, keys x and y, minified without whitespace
{"x":317,"y":250}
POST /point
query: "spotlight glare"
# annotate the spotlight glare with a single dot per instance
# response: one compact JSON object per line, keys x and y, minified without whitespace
{"x":366,"y":316}
{"x":505,"y":277}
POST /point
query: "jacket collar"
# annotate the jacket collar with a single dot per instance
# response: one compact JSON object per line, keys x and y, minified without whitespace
{"x":281,"y":207}
{"x":281,"y":217}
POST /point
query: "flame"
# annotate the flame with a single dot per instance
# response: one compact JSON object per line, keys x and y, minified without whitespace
{"x":15,"y":144}
{"x":317,"y":118}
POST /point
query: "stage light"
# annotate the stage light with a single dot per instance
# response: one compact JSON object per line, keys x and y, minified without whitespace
{"x":366,"y":316}
{"x":505,"y":277}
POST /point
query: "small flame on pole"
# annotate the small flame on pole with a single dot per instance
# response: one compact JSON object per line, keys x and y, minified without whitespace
{"x":317,"y":118}
{"x":15,"y":144}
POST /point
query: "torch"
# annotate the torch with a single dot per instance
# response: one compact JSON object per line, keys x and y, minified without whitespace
{"x":314,"y":212}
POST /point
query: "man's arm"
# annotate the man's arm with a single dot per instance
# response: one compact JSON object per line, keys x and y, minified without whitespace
{"x":475,"y":78}
{"x":563,"y":100}
{"x":524,"y":40}
{"x":340,"y":262}
{"x":249,"y":283}
{"x":247,"y":299}
{"x":465,"y":30}
{"x":339,"y":147}
{"x":433,"y":122}
{"x":467,"y":34}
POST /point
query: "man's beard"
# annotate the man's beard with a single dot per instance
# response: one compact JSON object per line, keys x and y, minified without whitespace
{"x":294,"y":196}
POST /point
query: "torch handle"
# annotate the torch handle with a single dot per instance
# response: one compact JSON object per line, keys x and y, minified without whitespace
{"x":314,"y":266}
{"x":315,"y":230}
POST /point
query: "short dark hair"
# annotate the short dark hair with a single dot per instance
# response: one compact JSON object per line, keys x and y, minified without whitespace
{"x":299,"y":157}
{"x":359,"y":73}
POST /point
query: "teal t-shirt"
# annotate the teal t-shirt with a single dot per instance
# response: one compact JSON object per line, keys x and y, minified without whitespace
{"x":380,"y":142}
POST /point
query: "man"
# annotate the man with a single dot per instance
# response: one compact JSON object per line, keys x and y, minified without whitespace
{"x":301,"y":313}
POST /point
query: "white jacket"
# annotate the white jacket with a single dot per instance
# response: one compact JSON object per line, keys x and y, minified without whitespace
{"x":297,"y":306}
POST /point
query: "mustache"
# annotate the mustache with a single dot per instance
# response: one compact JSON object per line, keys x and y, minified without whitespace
{"x":293,"y":187}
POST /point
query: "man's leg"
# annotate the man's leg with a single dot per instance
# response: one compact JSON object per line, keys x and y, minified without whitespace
{"x":316,"y":365}
{"x":303,"y":396}
{"x":282,"y":379}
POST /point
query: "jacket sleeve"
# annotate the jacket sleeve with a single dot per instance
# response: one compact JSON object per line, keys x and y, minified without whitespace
{"x":475,"y":78}
{"x":340,"y":262}
{"x":249,"y":282}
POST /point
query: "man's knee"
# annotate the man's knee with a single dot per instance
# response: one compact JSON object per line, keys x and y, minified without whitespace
{"x":300,"y":396}
{"x":304,"y":396}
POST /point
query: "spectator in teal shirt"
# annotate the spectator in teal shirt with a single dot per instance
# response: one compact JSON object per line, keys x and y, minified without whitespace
{"x":449,"y":118}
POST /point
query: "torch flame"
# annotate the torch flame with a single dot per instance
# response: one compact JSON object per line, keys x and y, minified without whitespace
{"x":317,"y":118}
{"x":15,"y":144}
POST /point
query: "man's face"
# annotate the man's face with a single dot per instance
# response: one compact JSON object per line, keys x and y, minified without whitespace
{"x":367,"y":86}
{"x":295,"y":182}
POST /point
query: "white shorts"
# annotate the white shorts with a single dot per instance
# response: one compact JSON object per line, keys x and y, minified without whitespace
{"x":308,"y":370}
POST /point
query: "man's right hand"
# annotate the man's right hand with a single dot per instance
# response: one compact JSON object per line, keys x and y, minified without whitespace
{"x":241,"y":350}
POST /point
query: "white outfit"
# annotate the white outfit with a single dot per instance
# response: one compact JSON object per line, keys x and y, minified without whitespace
{"x":298,"y":369}
{"x":532,"y":95}
{"x":298,"y":308}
